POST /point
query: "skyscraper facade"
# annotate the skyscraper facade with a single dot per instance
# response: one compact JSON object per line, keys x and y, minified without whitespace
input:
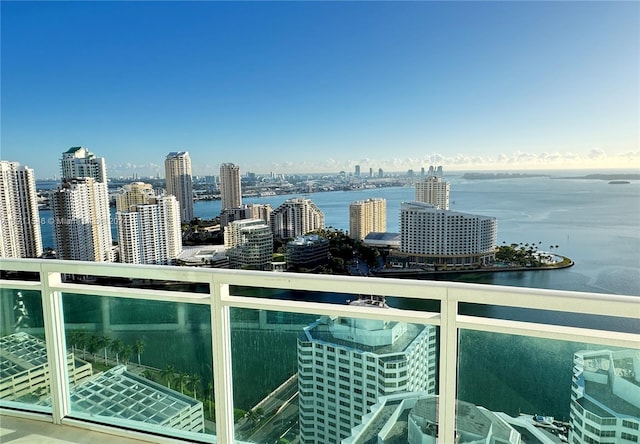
{"x":442,"y":237}
{"x":179,"y":181}
{"x":20,"y":234}
{"x":345,"y":365}
{"x":366,"y":216}
{"x":132,"y":194}
{"x":82,"y":226}
{"x":80,"y":162}
{"x":149,"y":230}
{"x":296,"y":217}
{"x":433,"y":190}
{"x":249,"y":244}
{"x":230,"y":188}
{"x":605,"y":397}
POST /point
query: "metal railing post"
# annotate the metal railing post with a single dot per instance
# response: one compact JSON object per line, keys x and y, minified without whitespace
{"x":448,"y":370}
{"x":222,"y":376}
{"x":55,"y":343}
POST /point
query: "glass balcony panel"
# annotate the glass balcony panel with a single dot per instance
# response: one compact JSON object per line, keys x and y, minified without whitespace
{"x":141,"y":364}
{"x":428,"y":305}
{"x":151,"y":284}
{"x":510,"y":386}
{"x":24,"y":369}
{"x":320,"y":379}
{"x":627,"y":325}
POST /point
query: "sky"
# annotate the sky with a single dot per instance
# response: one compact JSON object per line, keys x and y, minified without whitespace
{"x":299,"y":86}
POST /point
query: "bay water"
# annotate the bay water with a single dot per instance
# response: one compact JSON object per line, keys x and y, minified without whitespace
{"x":595,"y":223}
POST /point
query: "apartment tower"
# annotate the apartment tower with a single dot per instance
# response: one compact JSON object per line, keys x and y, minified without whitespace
{"x":20,"y":234}
{"x":366,"y":216}
{"x":230,"y":188}
{"x":177,"y":166}
{"x":80,"y":162}
{"x":433,"y":236}
{"x":296,"y":217}
{"x":249,"y":244}
{"x":345,"y":365}
{"x":149,"y":230}
{"x":433,"y":190}
{"x":82,"y":226}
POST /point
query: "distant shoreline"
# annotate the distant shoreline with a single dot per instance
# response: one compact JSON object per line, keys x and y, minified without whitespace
{"x":566,"y":263}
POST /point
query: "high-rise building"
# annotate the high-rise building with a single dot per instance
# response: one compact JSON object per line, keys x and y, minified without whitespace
{"x":20,"y":234}
{"x":177,"y":167}
{"x":433,"y":190}
{"x":246,"y":211}
{"x":357,"y":171}
{"x":605,"y":397}
{"x":149,"y":230}
{"x":132,"y":194}
{"x":307,"y":251}
{"x":345,"y":365}
{"x":82,"y":226}
{"x":433,"y":236}
{"x":366,"y":216}
{"x":249,"y":243}
{"x":80,"y":162}
{"x":296,"y":217}
{"x":230,"y":189}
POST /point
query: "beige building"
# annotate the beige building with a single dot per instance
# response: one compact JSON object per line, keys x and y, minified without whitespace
{"x":177,"y":167}
{"x":367,"y":216}
{"x":133,"y":194}
{"x":433,"y":190}
{"x":230,"y":189}
{"x":20,"y":234}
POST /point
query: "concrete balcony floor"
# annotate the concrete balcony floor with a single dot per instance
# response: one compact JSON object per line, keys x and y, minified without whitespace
{"x":28,"y":431}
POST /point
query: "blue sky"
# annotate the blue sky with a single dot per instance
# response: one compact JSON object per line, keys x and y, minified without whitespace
{"x":322,"y":86}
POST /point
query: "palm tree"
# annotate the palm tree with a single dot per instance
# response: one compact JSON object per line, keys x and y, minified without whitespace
{"x":209,"y":395}
{"x":139,"y":347}
{"x":168,"y":374}
{"x":127,"y":351}
{"x":104,"y":343}
{"x":194,"y":381}
{"x":116,"y":347}
{"x":181,"y":380}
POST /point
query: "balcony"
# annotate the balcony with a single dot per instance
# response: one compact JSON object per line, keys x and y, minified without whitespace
{"x":174,"y":354}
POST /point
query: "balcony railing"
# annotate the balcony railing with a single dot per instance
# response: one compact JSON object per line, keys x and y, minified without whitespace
{"x":227,"y":326}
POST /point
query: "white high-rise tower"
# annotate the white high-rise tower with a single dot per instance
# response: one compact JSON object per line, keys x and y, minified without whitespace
{"x":433,"y":190}
{"x":80,"y":162}
{"x":177,"y":167}
{"x":82,"y":225}
{"x":296,"y":217}
{"x":345,"y":365}
{"x":230,"y":188}
{"x":20,"y":234}
{"x":149,"y":229}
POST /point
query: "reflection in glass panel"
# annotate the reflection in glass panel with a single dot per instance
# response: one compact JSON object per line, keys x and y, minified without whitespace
{"x":548,"y":390}
{"x":24,"y":370}
{"x":327,"y":379}
{"x":148,"y":363}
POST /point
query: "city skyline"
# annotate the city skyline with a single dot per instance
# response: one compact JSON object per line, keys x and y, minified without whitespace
{"x":322,"y":86}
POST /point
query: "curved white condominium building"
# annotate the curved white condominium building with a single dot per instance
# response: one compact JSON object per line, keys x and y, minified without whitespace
{"x":296,"y":217}
{"x":436,"y":236}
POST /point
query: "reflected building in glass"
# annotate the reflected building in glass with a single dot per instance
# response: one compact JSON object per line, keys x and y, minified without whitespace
{"x":346,"y":364}
{"x":605,"y":397}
